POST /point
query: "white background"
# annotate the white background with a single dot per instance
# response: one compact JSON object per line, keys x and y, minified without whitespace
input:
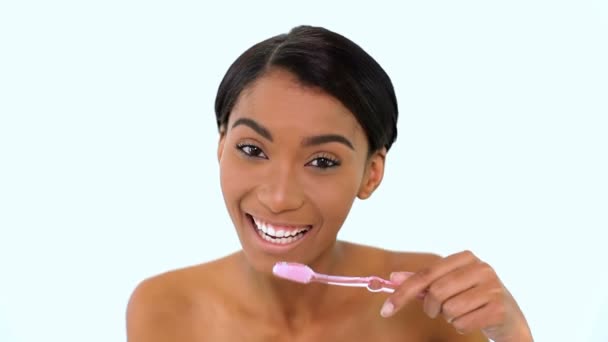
{"x":107,"y":148}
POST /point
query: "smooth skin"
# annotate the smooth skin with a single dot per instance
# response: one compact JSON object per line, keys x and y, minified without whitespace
{"x":293,"y":155}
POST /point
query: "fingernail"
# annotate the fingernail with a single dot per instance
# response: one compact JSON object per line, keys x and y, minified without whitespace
{"x":399,"y":277}
{"x":387,"y":309}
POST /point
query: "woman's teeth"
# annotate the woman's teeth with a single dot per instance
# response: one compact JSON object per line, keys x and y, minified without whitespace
{"x":279,"y":235}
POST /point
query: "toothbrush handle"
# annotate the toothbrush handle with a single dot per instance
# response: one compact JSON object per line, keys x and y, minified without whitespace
{"x":340,"y":280}
{"x":377,"y":284}
{"x":373,"y":283}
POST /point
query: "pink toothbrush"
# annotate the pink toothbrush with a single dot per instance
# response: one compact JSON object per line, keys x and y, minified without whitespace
{"x":303,"y":274}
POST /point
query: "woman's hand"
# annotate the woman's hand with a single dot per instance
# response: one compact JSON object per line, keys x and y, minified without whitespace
{"x":467,"y":293}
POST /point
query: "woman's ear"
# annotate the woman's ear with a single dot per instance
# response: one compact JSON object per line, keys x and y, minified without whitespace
{"x":374,"y":171}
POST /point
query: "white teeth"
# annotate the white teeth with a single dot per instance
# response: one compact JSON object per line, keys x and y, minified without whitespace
{"x":277,"y":235}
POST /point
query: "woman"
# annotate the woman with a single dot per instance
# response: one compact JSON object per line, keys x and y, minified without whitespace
{"x":305,"y":123}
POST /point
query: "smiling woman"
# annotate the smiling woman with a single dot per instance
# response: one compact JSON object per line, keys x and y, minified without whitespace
{"x":306,"y":120}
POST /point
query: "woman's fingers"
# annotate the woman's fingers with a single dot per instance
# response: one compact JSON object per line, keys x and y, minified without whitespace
{"x":485,"y":317}
{"x":421,"y":281}
{"x":450,"y":286}
{"x":467,"y":293}
{"x":399,"y":277}
{"x":459,"y":306}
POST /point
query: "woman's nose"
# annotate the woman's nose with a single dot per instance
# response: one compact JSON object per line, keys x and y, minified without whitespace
{"x":281,"y":191}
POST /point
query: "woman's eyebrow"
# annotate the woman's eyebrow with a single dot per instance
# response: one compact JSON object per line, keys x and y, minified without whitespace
{"x":261,"y":130}
{"x":308,"y":141}
{"x":327,"y":138}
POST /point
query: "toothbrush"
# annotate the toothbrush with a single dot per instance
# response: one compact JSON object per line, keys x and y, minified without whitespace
{"x":303,"y":274}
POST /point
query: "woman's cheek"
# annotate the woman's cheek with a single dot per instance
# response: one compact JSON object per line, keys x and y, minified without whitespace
{"x":232,"y":176}
{"x":333,"y":195}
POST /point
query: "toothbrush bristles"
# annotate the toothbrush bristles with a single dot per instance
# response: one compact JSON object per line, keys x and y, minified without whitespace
{"x":293,"y":271}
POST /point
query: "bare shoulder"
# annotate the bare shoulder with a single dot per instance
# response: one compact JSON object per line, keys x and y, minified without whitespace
{"x":411,"y":261}
{"x":157,"y":308}
{"x":390,"y":260}
{"x":165,"y":306}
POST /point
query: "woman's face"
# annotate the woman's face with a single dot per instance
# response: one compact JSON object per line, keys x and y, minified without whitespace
{"x":292,"y":161}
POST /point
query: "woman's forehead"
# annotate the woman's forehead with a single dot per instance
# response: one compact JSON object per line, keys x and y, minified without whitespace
{"x":278,"y":100}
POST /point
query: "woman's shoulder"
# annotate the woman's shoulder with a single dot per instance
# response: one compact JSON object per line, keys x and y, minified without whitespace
{"x":392,"y":260}
{"x":180,"y":286}
{"x":165,"y":302}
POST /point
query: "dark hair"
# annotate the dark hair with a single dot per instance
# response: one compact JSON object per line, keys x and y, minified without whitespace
{"x":319,"y":58}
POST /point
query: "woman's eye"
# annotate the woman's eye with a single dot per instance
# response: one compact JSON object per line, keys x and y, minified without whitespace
{"x":251,"y":150}
{"x":324,"y":162}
